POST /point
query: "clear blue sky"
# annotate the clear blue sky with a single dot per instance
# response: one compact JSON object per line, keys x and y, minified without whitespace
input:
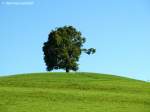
{"x":118,"y":29}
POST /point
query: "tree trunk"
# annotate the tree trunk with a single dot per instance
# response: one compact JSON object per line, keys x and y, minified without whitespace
{"x":67,"y":70}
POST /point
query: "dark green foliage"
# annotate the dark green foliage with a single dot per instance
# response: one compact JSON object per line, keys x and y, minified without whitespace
{"x":63,"y":49}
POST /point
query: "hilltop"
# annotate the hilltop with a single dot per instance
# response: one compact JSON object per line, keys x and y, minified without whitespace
{"x":73,"y":92}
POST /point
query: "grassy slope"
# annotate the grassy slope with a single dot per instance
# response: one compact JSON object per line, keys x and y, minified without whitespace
{"x":80,"y":92}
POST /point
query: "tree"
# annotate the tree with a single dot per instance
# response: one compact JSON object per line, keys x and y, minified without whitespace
{"x":63,"y":49}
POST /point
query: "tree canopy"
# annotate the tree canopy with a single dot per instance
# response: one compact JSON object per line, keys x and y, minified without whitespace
{"x":63,"y":49}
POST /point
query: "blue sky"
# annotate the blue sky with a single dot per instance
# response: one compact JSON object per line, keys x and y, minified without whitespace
{"x":118,"y":29}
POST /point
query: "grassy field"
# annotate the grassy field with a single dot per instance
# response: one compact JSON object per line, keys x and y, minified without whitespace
{"x":73,"y":92}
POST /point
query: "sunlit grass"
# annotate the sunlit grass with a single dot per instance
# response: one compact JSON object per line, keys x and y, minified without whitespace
{"x":73,"y":92}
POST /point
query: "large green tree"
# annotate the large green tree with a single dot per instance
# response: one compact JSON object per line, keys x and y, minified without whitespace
{"x":63,"y":49}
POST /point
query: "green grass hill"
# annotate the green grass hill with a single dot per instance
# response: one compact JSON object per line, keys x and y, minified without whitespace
{"x":73,"y":92}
